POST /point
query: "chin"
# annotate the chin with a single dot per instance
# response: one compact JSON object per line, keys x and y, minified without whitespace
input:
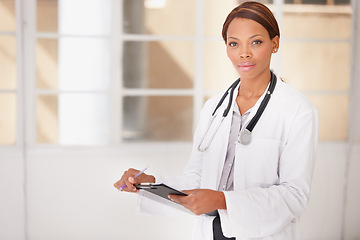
{"x":253,"y":73}
{"x":247,"y":74}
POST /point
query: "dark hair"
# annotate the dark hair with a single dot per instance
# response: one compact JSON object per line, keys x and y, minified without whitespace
{"x":254,"y":11}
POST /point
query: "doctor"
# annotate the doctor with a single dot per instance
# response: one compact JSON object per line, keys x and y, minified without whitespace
{"x":250,"y":170}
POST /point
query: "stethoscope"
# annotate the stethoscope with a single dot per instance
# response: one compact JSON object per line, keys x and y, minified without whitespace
{"x":244,"y":136}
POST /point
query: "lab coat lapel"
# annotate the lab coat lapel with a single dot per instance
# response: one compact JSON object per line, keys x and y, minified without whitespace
{"x":240,"y":168}
{"x":222,"y":141}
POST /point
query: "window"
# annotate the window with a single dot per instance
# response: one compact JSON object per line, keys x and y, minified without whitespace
{"x":8,"y":73}
{"x":72,"y":56}
{"x":103,"y":72}
{"x":316,"y":40}
{"x":324,"y":2}
{"x":158,"y":69}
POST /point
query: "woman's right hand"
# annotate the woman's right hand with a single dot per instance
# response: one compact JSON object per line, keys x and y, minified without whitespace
{"x":128,"y":178}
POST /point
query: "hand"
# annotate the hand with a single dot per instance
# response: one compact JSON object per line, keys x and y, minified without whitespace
{"x":200,"y":201}
{"x":129,"y":179}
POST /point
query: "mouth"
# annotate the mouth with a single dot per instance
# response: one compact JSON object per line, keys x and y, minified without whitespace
{"x":246,"y":66}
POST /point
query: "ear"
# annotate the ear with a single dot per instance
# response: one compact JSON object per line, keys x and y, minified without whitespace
{"x":275,"y":44}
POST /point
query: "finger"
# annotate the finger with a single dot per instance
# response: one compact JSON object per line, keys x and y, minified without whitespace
{"x":124,"y":181}
{"x":121,"y":182}
{"x":173,"y":198}
{"x":177,"y":198}
{"x":131,"y":180}
{"x":188,"y":192}
{"x":129,"y":185}
{"x":117,"y":184}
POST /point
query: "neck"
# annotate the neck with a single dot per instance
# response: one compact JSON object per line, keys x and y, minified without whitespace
{"x":254,"y":87}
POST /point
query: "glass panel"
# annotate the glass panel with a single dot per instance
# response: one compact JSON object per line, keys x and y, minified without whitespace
{"x":74,"y":17}
{"x":313,"y":1}
{"x":219,"y":72}
{"x":7,"y":62}
{"x":47,"y":15}
{"x":215,"y":15}
{"x":164,"y":17}
{"x":323,"y":2}
{"x":7,"y":119}
{"x":158,"y":64}
{"x":316,"y":66}
{"x":342,"y":2}
{"x":47,"y":63}
{"x":73,"y":64}
{"x":47,"y":119}
{"x":333,"y":117}
{"x":321,"y":24}
{"x":73,"y":119}
{"x":158,"y":118}
{"x":8,"y":17}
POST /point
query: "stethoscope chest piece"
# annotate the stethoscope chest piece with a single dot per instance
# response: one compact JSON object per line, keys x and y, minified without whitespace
{"x":245,"y":137}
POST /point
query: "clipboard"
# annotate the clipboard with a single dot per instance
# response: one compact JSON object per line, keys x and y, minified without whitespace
{"x":160,"y":189}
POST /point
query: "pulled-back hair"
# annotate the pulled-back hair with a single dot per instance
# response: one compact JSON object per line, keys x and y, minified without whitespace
{"x":254,"y":11}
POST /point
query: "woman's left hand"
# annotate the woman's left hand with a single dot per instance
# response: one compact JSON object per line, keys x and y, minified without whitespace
{"x":200,"y":201}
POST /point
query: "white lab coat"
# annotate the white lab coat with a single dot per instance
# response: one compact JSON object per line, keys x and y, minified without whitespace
{"x":272,"y":175}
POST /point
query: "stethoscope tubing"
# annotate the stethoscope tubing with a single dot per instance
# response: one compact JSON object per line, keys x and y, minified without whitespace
{"x":245,"y":136}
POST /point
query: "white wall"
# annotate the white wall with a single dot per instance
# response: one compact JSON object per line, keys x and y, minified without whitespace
{"x":70,"y":194}
{"x":323,"y":217}
{"x":12,"y":204}
{"x":352,"y":207}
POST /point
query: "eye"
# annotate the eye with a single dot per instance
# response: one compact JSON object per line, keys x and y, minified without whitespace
{"x":256,"y":42}
{"x":232,"y":44}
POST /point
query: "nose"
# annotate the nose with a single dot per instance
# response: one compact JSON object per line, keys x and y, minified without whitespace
{"x":245,"y":53}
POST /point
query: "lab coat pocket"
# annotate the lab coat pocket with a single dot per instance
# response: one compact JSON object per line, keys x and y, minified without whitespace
{"x":259,"y":162}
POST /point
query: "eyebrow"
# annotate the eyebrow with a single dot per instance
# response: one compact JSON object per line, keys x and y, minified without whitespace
{"x":253,"y":36}
{"x":256,"y":35}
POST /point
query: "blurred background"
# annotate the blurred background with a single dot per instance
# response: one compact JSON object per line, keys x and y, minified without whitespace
{"x":89,"y":88}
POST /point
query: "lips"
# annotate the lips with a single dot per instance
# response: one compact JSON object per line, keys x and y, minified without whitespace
{"x":246,"y":66}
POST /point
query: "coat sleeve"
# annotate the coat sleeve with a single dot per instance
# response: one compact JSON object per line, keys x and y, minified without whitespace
{"x":257,"y":212}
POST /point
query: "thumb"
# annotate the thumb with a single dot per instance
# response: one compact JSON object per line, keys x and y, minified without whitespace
{"x":188,"y":192}
{"x":131,"y":180}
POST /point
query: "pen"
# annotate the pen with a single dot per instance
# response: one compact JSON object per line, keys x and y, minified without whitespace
{"x":141,"y":172}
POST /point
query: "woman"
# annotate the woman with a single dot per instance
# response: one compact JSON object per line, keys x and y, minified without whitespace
{"x":252,"y":185}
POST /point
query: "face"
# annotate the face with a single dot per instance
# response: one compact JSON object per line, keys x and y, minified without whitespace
{"x":249,"y":47}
